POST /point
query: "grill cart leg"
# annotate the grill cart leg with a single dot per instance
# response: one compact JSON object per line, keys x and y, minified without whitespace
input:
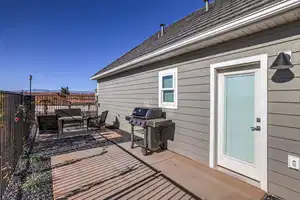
{"x":144,"y":151}
{"x":132,"y":136}
{"x":145,"y":148}
{"x":162,"y":145}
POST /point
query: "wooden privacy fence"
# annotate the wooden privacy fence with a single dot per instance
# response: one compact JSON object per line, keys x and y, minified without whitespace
{"x":47,"y":103}
{"x":12,"y":135}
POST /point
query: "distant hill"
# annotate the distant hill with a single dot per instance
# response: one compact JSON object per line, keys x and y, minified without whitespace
{"x":55,"y":91}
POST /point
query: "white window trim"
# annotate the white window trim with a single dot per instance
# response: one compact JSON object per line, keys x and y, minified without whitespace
{"x":263,"y":61}
{"x":161,"y":74}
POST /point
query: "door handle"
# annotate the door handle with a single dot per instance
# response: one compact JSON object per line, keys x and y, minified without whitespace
{"x":257,"y":128}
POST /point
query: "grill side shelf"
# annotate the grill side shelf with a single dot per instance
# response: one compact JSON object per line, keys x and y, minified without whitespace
{"x":156,"y":123}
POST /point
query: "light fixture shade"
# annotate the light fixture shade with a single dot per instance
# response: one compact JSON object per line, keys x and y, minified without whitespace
{"x":282,"y":62}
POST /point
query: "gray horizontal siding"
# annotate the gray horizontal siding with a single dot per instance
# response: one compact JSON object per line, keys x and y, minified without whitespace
{"x":191,"y":139}
{"x":284,"y":192}
{"x":277,"y":166}
{"x":279,"y":155}
{"x":284,"y":108}
{"x":193,"y":88}
{"x":193,"y":134}
{"x":289,"y":133}
{"x":289,"y":86}
{"x":196,"y":73}
{"x":194,"y":104}
{"x":284,"y":96}
{"x":284,"y":127}
{"x":191,"y":81}
{"x":285,"y":120}
{"x":139,"y":87}
{"x":186,"y":150}
{"x":284,"y":144}
{"x":192,"y":111}
{"x":292,"y":184}
{"x":194,"y":96}
{"x":189,"y":118}
{"x":287,"y":187}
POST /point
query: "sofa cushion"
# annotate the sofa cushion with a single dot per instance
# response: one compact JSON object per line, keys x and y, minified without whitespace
{"x":71,"y":118}
{"x":68,"y":112}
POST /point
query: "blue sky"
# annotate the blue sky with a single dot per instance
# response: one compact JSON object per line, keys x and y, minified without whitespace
{"x":64,"y":42}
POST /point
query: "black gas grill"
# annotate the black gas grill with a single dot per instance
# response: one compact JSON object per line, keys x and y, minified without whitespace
{"x":140,"y":116}
{"x":150,"y":124}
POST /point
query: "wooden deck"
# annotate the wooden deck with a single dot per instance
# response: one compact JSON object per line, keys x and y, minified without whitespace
{"x":119,"y":172}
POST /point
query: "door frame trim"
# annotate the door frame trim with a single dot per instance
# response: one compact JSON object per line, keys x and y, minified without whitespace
{"x":262,"y":60}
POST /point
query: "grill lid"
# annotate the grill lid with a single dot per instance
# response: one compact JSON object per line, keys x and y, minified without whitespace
{"x":140,"y":116}
{"x":140,"y":112}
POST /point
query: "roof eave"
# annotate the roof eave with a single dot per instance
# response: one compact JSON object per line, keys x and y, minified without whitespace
{"x":224,"y":28}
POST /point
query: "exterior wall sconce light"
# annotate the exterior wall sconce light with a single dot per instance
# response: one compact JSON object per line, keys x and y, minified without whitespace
{"x":283,"y":61}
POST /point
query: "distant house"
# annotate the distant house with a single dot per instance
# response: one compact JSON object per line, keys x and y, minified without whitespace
{"x":211,"y":73}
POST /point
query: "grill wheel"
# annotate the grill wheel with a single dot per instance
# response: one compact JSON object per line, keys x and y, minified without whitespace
{"x":144,"y":152}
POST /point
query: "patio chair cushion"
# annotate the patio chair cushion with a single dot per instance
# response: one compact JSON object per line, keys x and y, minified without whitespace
{"x":71,"y":118}
{"x":68,"y":112}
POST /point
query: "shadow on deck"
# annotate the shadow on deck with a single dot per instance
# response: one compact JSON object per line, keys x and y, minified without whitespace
{"x":110,"y":172}
{"x":110,"y":169}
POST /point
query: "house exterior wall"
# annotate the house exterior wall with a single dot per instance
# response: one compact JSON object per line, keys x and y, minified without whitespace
{"x":139,"y":87}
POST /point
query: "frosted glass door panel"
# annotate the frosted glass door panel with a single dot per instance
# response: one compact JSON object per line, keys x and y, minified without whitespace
{"x":239,"y":116}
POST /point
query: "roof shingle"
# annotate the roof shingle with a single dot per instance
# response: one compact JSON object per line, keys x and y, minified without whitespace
{"x":196,"y":22}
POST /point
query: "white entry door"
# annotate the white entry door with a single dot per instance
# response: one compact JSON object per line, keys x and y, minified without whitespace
{"x":239,"y":120}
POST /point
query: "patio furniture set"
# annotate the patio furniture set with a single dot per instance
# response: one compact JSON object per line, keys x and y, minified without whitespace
{"x":73,"y":117}
{"x":151,"y":125}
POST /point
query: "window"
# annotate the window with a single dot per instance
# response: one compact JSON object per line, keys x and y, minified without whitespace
{"x":167,"y":96}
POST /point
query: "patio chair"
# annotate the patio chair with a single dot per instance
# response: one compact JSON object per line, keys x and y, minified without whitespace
{"x":100,"y":120}
{"x":68,"y":116}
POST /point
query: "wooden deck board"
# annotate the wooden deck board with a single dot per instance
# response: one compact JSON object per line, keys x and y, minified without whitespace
{"x":118,"y":175}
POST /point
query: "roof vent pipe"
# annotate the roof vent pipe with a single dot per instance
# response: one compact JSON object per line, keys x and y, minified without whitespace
{"x":162,"y":29}
{"x":206,"y":5}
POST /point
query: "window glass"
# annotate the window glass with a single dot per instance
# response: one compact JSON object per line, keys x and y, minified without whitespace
{"x":168,"y":96}
{"x":167,"y":81}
